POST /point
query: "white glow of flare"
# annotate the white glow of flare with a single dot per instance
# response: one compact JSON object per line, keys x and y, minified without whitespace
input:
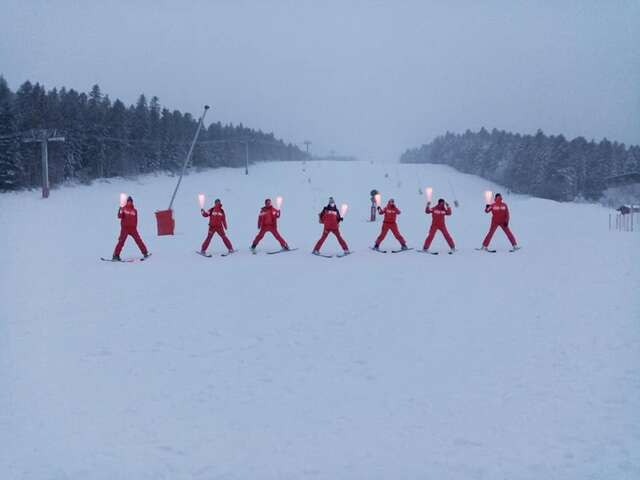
{"x":343,"y":209}
{"x":123,"y":199}
{"x":429,"y":193}
{"x":487,"y":196}
{"x":201,"y":199}
{"x":278,"y":202}
{"x":378,"y":198}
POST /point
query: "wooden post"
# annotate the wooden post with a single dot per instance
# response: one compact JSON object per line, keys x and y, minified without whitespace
{"x":246,"y":157}
{"x":44,"y":136}
{"x":44,"y":150}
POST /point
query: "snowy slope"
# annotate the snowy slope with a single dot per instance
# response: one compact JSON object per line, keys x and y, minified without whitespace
{"x":475,"y":365}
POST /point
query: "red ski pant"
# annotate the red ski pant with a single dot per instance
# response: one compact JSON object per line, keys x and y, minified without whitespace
{"x":223,"y":235}
{"x":325,"y":234}
{"x":273,"y":232}
{"x":432,"y":233}
{"x":124,"y":233}
{"x":394,"y":229}
{"x":492,"y":230}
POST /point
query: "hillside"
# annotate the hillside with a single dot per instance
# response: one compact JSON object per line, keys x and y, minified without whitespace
{"x":473,"y":365}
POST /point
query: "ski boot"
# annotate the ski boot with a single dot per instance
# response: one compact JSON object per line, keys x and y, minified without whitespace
{"x":116,"y":258}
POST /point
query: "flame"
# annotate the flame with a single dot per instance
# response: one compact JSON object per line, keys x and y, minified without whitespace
{"x":487,"y":196}
{"x":123,"y":199}
{"x":343,"y":209}
{"x":278,"y":202}
{"x":201,"y":199}
{"x":378,"y":198}
{"x":429,"y":193}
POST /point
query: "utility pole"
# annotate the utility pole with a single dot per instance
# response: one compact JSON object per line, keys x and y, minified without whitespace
{"x":307,"y":144}
{"x":44,"y":136}
{"x":246,"y":157}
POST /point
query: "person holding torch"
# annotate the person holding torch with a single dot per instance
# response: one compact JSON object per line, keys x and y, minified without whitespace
{"x":128,"y":216}
{"x":268,"y":222}
{"x":330,"y":217}
{"x":390,"y":213}
{"x":441,"y":210}
{"x":499,"y":218}
{"x":217,"y":224}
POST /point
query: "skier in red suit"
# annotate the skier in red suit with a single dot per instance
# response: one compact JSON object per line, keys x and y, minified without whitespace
{"x":330,"y":217}
{"x":499,"y":218}
{"x":268,"y":222}
{"x":390,"y":213}
{"x":128,"y":216}
{"x":441,"y":210}
{"x":217,"y":224}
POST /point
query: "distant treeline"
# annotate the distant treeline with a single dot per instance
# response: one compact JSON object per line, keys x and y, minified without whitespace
{"x":545,"y":166}
{"x":106,"y":138}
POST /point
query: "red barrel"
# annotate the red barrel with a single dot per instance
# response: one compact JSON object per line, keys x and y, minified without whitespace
{"x":166,"y":224}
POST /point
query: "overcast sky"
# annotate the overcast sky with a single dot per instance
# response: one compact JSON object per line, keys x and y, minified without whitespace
{"x":361,"y":77}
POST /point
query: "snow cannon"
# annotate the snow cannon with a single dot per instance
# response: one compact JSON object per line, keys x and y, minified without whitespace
{"x":201,"y":199}
{"x":123,"y":200}
{"x":164,"y":218}
{"x":343,"y":209}
{"x":278,"y":202}
{"x":429,"y":193}
{"x":488,"y":195}
{"x":373,"y":194}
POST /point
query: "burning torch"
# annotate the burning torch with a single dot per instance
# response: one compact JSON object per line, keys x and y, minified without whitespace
{"x":343,"y":209}
{"x":428,"y":193}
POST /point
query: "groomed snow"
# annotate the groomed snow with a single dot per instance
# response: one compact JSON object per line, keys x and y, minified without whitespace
{"x":488,"y":366}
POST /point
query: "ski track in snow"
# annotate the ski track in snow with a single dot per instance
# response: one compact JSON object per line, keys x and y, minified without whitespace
{"x":523,"y":365}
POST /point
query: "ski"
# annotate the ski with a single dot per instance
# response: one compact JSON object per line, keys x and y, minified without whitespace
{"x":344,"y":254}
{"x":126,"y":260}
{"x":401,"y":250}
{"x":208,"y":255}
{"x":322,"y":255}
{"x":427,"y":251}
{"x":281,"y":250}
{"x":226,"y":254}
{"x":378,"y":250}
{"x":482,"y":249}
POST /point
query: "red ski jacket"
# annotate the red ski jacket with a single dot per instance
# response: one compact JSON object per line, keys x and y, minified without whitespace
{"x":437,"y":214}
{"x":499,"y":212}
{"x":268,"y":217}
{"x":330,"y":218}
{"x":216,"y":216}
{"x":128,"y":217}
{"x":390,"y":213}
